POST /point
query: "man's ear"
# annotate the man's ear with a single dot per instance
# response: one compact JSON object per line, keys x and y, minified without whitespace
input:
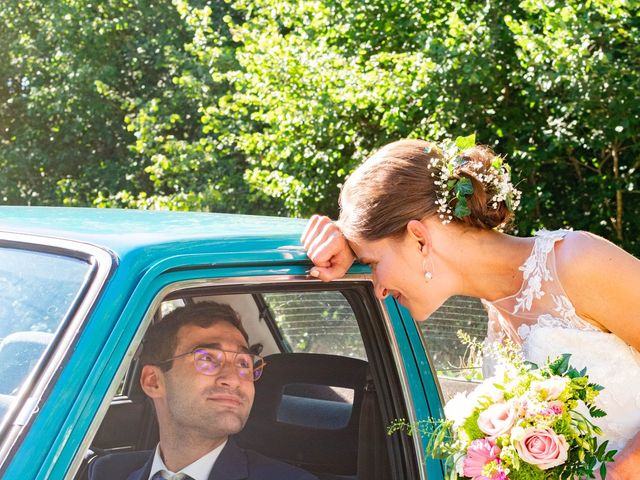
{"x":152,"y":381}
{"x":419,"y":233}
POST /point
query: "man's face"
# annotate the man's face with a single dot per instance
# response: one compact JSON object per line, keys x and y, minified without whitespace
{"x":212,"y":406}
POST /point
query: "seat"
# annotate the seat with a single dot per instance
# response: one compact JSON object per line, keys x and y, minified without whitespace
{"x":19,"y":352}
{"x":301,"y":418}
{"x":116,"y":465}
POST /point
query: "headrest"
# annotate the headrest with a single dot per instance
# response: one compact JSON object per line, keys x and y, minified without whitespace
{"x":306,"y":411}
{"x":28,"y":337}
{"x":19,"y":354}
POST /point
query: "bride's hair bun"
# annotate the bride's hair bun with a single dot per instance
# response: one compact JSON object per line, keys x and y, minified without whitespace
{"x":485,"y":212}
{"x":411,"y":179}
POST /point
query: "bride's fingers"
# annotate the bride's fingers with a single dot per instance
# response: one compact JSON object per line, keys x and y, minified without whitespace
{"x":325,"y":243}
{"x":314,"y":226}
{"x":311,"y":225}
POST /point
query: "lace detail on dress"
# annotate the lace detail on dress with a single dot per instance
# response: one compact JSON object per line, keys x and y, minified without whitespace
{"x":567,"y":318}
{"x":535,"y":269}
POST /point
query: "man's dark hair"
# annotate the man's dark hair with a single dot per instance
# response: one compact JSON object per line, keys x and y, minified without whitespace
{"x":161,"y":339}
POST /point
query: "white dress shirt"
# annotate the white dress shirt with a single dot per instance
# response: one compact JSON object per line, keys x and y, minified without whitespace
{"x":198,"y":470}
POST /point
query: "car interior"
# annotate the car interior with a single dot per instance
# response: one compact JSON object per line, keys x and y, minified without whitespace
{"x":326,"y":396}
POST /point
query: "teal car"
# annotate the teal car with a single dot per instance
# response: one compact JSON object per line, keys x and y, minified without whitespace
{"x":79,"y":288}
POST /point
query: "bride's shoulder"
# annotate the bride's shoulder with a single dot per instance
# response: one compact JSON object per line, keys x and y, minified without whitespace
{"x":582,"y":252}
{"x":601,"y":280}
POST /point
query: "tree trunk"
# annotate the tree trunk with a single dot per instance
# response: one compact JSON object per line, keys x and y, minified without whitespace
{"x":617,"y":222}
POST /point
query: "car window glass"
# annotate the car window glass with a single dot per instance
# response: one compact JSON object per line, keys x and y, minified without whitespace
{"x":36,"y":292}
{"x":457,"y":365}
{"x":317,"y":322}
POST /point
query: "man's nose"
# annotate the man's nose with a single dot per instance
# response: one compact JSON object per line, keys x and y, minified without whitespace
{"x":228,"y":375}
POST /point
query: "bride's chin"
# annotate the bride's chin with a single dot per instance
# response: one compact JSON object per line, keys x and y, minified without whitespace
{"x":419,"y":312}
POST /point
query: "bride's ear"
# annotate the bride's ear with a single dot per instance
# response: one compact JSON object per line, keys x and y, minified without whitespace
{"x":418,"y":232}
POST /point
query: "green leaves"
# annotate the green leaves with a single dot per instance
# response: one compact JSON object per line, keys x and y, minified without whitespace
{"x":462,"y":188}
{"x":466,"y":142}
{"x":560,"y":365}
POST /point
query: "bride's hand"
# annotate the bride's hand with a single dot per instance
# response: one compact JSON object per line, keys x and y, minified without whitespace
{"x":327,"y":248}
{"x":625,"y":464}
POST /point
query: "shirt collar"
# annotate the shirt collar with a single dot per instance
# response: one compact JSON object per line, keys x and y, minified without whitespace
{"x":198,"y":470}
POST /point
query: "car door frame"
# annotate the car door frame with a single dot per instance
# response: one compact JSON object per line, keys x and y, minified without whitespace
{"x":118,"y":346}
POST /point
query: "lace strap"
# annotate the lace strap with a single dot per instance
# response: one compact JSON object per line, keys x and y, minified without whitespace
{"x":536,"y":269}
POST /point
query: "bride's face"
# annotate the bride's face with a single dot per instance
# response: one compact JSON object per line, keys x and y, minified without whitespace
{"x":397,"y":267}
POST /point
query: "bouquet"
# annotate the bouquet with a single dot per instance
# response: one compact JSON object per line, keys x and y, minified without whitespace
{"x":524,"y":423}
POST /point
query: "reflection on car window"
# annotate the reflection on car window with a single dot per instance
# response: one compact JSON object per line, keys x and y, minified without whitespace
{"x":36,"y":292}
{"x":458,"y":366}
{"x":317,"y":322}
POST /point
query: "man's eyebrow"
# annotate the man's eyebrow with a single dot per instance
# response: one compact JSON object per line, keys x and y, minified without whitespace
{"x":240,"y":348}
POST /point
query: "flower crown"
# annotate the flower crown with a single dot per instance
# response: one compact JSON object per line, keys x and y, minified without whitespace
{"x":450,"y":185}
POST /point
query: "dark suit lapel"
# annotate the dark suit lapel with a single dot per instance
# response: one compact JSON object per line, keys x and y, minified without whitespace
{"x":231,"y":464}
{"x":142,"y":473}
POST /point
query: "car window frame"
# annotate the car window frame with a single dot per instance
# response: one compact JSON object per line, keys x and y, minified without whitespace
{"x":220,"y":284}
{"x":35,"y":391}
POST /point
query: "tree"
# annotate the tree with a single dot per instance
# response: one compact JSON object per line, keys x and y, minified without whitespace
{"x":265,"y":107}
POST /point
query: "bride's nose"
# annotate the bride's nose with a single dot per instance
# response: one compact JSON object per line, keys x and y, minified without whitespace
{"x":381,"y":292}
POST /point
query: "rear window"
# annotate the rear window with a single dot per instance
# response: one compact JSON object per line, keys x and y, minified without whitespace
{"x":37,"y":290}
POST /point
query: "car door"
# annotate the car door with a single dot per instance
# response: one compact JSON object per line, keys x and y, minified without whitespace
{"x":107,"y":415}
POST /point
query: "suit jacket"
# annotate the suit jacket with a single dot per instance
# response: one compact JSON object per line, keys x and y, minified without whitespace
{"x":233,"y":463}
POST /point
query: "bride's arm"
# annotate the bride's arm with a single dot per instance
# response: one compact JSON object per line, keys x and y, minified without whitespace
{"x":602,"y":282}
{"x":625,"y":466}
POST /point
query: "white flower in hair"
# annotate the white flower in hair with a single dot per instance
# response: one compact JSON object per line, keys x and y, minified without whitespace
{"x":451,"y":185}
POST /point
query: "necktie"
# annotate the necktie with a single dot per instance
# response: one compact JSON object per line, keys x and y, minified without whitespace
{"x":164,"y":475}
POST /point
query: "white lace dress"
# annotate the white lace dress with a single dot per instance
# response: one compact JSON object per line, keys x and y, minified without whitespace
{"x":542,"y":319}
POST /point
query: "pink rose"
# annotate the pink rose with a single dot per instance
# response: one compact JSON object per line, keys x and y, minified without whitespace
{"x":497,"y":420}
{"x":541,"y":447}
{"x":479,"y":453}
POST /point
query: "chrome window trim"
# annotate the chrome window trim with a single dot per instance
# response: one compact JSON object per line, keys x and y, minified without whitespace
{"x":263,"y":280}
{"x":406,"y":392}
{"x":102,"y":262}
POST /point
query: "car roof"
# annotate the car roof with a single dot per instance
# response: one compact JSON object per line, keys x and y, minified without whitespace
{"x":124,"y":231}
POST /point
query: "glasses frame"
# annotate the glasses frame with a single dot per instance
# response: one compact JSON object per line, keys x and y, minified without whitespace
{"x":224,"y":362}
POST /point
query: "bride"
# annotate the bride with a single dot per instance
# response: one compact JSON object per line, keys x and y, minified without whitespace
{"x":426,"y":219}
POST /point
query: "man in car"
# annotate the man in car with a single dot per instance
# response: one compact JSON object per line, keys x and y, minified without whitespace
{"x":199,"y":372}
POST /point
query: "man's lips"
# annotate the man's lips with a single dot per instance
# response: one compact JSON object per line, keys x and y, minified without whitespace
{"x":226,"y":399}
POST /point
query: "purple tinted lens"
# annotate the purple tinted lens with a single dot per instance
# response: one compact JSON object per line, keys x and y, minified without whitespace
{"x":209,"y":362}
{"x":258,"y":369}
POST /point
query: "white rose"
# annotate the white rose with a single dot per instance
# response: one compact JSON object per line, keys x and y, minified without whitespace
{"x":551,"y":388}
{"x":497,"y":420}
{"x":488,"y":390}
{"x":459,"y":408}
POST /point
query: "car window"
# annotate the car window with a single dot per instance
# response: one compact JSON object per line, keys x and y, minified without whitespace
{"x":458,"y":365}
{"x":319,"y":401}
{"x":36,"y":291}
{"x":317,"y":322}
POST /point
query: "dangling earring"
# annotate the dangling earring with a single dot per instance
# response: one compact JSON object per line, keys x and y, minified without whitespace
{"x":428,"y":274}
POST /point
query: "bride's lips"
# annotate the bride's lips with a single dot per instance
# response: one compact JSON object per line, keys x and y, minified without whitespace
{"x":397,"y":296}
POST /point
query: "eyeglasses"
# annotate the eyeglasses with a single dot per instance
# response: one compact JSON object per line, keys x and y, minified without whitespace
{"x":211,"y":361}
